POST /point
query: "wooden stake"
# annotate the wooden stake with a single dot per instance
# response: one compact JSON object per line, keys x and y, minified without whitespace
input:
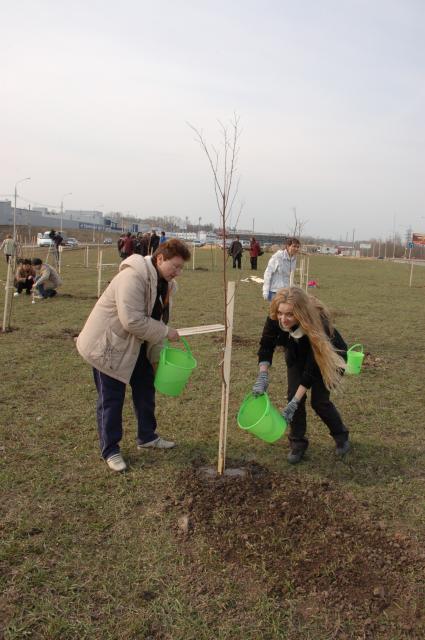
{"x":411,"y":274}
{"x":195,"y":331}
{"x":306,"y":273}
{"x":8,"y":298}
{"x":87,"y":256}
{"x":99,"y":275}
{"x":225,"y":387}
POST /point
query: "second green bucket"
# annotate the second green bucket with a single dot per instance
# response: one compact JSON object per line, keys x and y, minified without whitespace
{"x":355,"y":359}
{"x":174,"y":369}
{"x":257,"y":415}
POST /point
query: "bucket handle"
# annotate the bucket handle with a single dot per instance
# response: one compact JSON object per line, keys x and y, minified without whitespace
{"x":354,"y":346}
{"x":251,"y":395}
{"x":185,"y":344}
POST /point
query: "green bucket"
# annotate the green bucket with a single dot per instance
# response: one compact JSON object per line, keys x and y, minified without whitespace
{"x":174,"y":369}
{"x":258,"y":416}
{"x":355,"y":359}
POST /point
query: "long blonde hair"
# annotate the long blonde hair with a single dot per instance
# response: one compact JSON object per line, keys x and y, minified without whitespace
{"x":312,"y":314}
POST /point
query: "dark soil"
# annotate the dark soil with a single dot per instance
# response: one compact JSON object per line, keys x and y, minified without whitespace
{"x":314,"y":548}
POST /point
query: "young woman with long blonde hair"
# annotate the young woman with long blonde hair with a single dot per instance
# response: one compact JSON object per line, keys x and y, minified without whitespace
{"x":315,"y":355}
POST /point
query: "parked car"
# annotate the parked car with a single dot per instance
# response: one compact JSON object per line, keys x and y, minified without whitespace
{"x":197,"y":243}
{"x":44,"y":240}
{"x":107,"y":241}
{"x":71,"y":242}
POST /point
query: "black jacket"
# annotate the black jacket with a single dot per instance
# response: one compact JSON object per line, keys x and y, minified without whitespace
{"x":298,"y":352}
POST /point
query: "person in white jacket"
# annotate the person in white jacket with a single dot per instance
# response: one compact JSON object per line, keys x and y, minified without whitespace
{"x":279,"y":269}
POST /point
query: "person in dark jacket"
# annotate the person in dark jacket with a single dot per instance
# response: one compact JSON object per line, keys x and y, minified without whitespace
{"x":254,"y":252}
{"x":235,"y":250}
{"x":154,"y":242}
{"x":315,"y":355}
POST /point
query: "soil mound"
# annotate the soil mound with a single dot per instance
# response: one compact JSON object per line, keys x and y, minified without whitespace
{"x":316,"y":548}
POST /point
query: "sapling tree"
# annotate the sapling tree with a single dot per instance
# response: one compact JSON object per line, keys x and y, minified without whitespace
{"x":222,"y":161}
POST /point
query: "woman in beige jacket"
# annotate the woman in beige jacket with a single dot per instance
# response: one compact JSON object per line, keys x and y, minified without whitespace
{"x":122,"y":339}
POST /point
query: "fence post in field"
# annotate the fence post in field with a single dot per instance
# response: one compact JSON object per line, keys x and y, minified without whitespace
{"x":99,"y":274}
{"x":8,"y":298}
{"x":306,"y":273}
{"x":411,"y":274}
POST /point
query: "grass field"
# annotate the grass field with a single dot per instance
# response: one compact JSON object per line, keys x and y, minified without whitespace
{"x":328,"y":549}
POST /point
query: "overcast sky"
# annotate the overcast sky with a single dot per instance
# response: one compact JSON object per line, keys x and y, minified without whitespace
{"x":95,"y":97}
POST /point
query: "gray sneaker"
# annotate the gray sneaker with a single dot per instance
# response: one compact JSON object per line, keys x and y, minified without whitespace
{"x":158,"y":443}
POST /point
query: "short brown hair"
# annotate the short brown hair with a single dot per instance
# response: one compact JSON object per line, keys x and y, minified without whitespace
{"x":171,"y":249}
{"x":291,"y":241}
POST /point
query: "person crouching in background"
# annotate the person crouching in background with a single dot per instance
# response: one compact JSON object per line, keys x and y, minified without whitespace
{"x":47,"y":279}
{"x":24,"y":277}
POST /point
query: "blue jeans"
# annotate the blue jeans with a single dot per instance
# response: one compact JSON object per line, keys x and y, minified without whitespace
{"x":110,"y":402}
{"x":45,"y":293}
{"x":271,"y":295}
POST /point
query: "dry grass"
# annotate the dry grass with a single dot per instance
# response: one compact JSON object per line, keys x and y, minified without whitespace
{"x":89,"y":554}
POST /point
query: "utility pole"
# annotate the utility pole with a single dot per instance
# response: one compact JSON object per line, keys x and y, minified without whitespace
{"x":64,"y":196}
{"x":253,"y":226}
{"x":393,"y":236}
{"x":353,"y":250}
{"x":14,"y":210}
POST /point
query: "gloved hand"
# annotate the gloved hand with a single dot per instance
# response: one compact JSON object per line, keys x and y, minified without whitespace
{"x":289,"y":411}
{"x":261,"y":383}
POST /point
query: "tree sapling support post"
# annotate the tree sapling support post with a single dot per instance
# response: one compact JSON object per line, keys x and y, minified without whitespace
{"x":225,"y":385}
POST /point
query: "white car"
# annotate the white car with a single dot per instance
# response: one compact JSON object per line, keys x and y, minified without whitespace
{"x":44,"y":240}
{"x":71,"y":242}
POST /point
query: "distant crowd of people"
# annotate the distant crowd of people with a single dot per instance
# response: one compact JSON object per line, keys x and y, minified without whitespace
{"x":144,"y":244}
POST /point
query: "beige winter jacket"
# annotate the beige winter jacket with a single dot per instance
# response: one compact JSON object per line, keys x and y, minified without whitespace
{"x":121,"y":321}
{"x":48,"y":277}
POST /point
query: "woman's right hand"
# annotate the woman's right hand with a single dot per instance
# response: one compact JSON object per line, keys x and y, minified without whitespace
{"x":173,"y":334}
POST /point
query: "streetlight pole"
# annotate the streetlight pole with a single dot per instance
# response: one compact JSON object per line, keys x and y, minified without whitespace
{"x":94,"y":215}
{"x":64,"y":195}
{"x":14,"y":210}
{"x":199,"y":227}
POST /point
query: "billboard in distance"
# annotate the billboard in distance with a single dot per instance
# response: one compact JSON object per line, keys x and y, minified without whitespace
{"x":418,"y":238}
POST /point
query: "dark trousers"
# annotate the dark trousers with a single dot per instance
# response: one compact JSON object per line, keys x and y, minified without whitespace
{"x":237,"y":260}
{"x":321,"y":404}
{"x":253,"y":263}
{"x":27,"y":284}
{"x":110,"y":402}
{"x":45,"y":293}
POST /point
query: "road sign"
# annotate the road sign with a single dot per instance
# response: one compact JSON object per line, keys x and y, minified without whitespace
{"x":410,"y":245}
